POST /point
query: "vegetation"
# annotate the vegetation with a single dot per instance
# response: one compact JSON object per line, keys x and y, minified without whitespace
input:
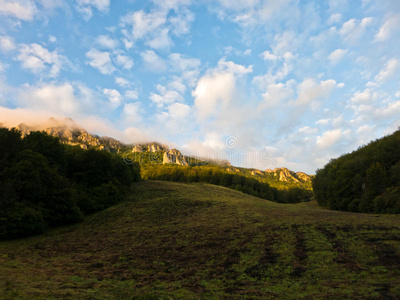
{"x":218,"y":176}
{"x":366,"y":180}
{"x":199,"y":241}
{"x":44,"y":183}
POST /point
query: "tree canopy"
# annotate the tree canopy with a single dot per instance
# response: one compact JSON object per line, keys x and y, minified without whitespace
{"x":366,"y":180}
{"x":45,"y":183}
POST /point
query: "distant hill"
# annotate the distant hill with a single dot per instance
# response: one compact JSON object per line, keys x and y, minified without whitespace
{"x":156,"y":153}
{"x":366,"y":180}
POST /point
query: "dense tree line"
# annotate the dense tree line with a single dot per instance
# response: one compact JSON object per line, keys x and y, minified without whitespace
{"x":45,"y":183}
{"x":218,"y":176}
{"x":366,"y":180}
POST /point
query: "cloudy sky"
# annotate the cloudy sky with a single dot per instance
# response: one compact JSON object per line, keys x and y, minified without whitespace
{"x":263,"y":83}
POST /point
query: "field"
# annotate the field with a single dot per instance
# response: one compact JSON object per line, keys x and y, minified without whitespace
{"x":198,"y":241}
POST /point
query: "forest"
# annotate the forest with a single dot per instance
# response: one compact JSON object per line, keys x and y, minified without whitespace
{"x":366,"y":180}
{"x":218,"y":176}
{"x":44,"y":183}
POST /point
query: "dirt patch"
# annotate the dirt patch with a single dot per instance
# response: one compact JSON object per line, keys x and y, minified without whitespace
{"x":344,"y":257}
{"x":259,"y":270}
{"x":300,"y":252}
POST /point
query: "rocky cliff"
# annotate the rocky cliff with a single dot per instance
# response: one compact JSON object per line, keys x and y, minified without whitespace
{"x":174,"y":156}
{"x":70,"y":133}
{"x":286,"y":175}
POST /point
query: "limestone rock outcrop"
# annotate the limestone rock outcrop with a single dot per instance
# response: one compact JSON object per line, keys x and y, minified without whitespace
{"x":154,"y":147}
{"x":174,"y":156}
{"x":257,"y":173}
{"x":286,"y":175}
{"x":138,"y":148}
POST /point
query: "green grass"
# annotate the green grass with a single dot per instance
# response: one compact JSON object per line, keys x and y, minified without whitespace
{"x":198,"y":241}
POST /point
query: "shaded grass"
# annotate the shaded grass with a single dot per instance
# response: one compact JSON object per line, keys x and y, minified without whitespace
{"x":198,"y":241}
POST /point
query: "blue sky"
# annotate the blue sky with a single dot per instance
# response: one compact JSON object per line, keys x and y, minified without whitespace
{"x":262,"y":83}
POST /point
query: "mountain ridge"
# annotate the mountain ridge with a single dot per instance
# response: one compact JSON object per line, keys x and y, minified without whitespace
{"x":72,"y":134}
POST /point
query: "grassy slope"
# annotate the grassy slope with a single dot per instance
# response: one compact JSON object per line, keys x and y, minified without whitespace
{"x":203,"y":241}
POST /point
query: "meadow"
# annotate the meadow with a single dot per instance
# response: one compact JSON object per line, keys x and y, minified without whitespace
{"x":199,"y":241}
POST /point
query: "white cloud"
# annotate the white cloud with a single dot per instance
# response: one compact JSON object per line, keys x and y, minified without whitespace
{"x":7,"y":43}
{"x":266,"y":55}
{"x":21,"y":9}
{"x":149,"y":26}
{"x":392,"y":110}
{"x":288,"y":41}
{"x":114,"y":96}
{"x":124,"y":61}
{"x":364,"y":97}
{"x":165,"y":96}
{"x":122,"y":82}
{"x":131,"y":94}
{"x":390,"y":26}
{"x":143,"y":23}
{"x":309,"y":90}
{"x":247,"y":52}
{"x":188,"y":67}
{"x":181,"y":24}
{"x":51,"y":97}
{"x":213,"y":90}
{"x":353,"y":29}
{"x":101,"y":61}
{"x":334,"y":18}
{"x":177,"y":85}
{"x":156,"y":27}
{"x":182,"y":64}
{"x":337,"y":55}
{"x":277,"y":94}
{"x":132,"y":112}
{"x":388,"y":71}
{"x":332,"y":137}
{"x":176,"y":119}
{"x":161,"y":40}
{"x":231,"y":67}
{"x":322,"y":122}
{"x":106,"y":42}
{"x":153,"y":61}
{"x":39,"y":60}
{"x":85,"y":7}
{"x":179,"y":110}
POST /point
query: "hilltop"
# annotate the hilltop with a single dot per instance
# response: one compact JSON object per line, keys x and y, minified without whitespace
{"x":199,"y":241}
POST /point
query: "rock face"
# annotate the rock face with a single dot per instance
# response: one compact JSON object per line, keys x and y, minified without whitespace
{"x":303,"y":176}
{"x":154,"y":147}
{"x":137,"y":148}
{"x":257,"y":173}
{"x":70,"y":133}
{"x":284,"y":174}
{"x":174,"y":156}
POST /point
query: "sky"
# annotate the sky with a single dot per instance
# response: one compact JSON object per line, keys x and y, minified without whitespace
{"x":262,"y":83}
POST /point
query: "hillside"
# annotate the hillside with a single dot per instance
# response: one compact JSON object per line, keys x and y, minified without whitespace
{"x":199,"y":241}
{"x":366,"y":180}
